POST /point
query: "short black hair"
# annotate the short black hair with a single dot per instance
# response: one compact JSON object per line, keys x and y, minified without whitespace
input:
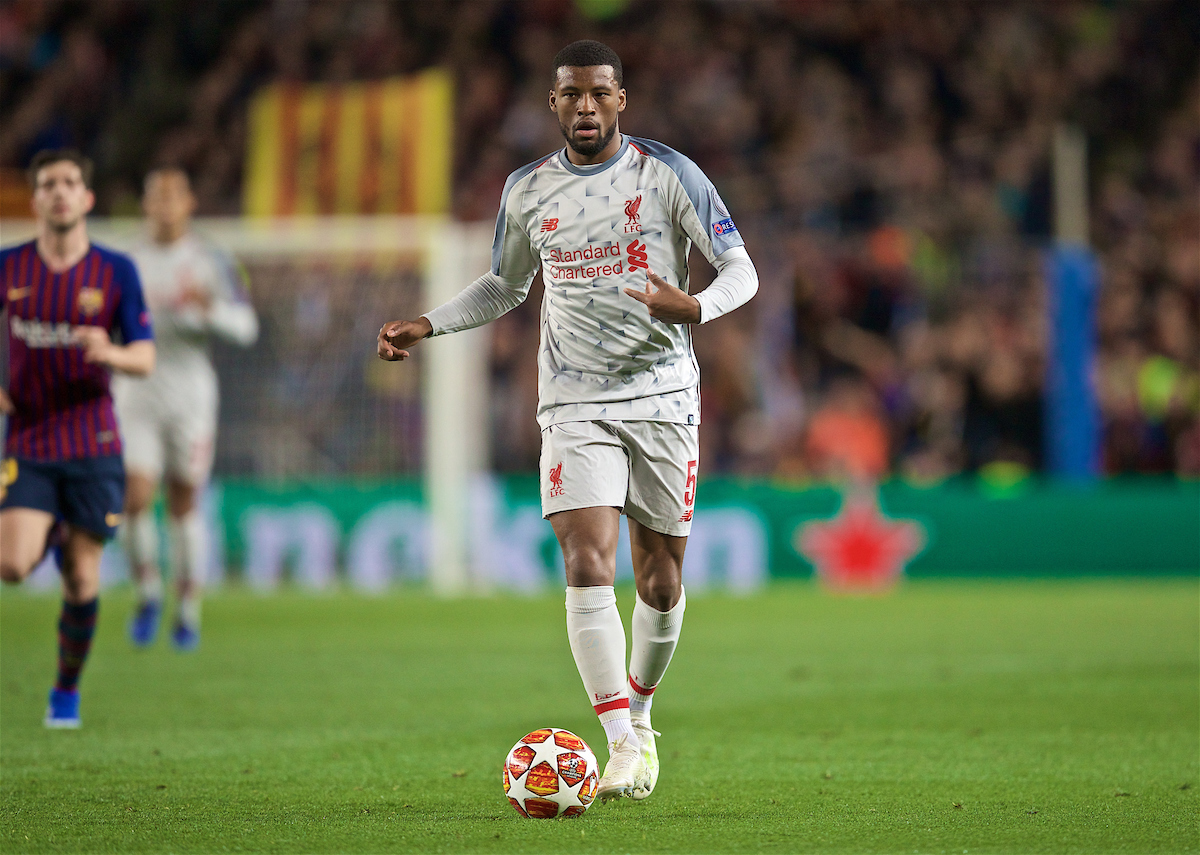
{"x":164,"y":168}
{"x":586,"y":52}
{"x":47,"y":156}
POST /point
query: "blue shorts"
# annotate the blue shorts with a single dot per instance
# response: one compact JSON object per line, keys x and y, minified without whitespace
{"x":88,"y":493}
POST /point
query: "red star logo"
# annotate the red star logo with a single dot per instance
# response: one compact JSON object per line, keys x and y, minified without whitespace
{"x":860,"y":549}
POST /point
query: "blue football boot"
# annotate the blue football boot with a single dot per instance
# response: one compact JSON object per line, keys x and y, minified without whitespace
{"x":63,"y":711}
{"x":143,"y":626}
{"x":185,"y":638}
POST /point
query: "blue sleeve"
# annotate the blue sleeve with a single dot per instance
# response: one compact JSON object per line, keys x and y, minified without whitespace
{"x":132,"y":318}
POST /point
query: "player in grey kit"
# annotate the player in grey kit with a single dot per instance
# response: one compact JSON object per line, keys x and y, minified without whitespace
{"x":169,"y":419}
{"x":610,"y":220}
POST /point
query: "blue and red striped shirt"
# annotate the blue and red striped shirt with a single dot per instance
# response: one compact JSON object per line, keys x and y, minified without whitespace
{"x":64,"y":408}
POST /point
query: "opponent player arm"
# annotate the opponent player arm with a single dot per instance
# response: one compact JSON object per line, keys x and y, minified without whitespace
{"x":234,"y":321}
{"x":231,"y":314}
{"x":218,"y":305}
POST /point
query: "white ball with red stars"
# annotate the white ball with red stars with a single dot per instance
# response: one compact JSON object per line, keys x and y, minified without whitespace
{"x":550,"y":772}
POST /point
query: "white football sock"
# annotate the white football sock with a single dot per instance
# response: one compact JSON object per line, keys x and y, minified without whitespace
{"x":655,"y":635}
{"x":598,"y":643}
{"x":185,"y":537}
{"x":189,"y":611}
{"x":139,"y":536}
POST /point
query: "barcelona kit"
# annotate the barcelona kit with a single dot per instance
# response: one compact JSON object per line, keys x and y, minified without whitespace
{"x":62,"y":446}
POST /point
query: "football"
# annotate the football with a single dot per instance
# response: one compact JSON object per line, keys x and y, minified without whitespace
{"x":549,"y":773}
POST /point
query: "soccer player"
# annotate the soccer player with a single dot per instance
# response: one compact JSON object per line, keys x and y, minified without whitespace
{"x":169,"y":419}
{"x":65,"y":298}
{"x":610,"y":220}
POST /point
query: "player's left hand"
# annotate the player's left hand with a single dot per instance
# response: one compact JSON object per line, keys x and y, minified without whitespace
{"x":666,"y":302}
{"x":97,"y":346}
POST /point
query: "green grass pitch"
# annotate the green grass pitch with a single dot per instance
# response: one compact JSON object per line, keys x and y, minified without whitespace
{"x":949,"y":717}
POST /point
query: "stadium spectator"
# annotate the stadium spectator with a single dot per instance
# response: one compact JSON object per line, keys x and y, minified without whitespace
{"x":847,"y":439}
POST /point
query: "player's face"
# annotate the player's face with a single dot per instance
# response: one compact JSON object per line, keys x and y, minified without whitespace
{"x":168,"y":199}
{"x":60,"y":198}
{"x":586,"y":100}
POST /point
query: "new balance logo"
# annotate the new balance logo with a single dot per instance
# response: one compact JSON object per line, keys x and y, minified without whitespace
{"x":687,"y":516}
{"x":549,"y":224}
{"x":637,"y":256}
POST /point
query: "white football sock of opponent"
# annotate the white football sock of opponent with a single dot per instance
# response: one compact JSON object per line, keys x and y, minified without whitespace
{"x":185,"y":537}
{"x":598,"y":643}
{"x":655,"y":635}
{"x":139,"y":536}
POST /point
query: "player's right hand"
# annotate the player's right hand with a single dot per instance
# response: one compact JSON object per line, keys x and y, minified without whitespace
{"x":6,"y":404}
{"x":397,"y":335}
{"x":97,"y":346}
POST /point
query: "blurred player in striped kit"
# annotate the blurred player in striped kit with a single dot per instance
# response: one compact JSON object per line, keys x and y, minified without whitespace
{"x":610,"y":220}
{"x":170,"y":418}
{"x":62,"y":480}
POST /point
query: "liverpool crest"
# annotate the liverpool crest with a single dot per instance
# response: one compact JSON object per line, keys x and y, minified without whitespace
{"x":633,"y":221}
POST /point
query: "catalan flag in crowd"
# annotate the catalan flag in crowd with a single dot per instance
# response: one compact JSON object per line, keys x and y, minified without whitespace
{"x":381,"y":147}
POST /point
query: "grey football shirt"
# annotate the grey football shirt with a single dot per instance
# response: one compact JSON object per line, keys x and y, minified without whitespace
{"x":595,"y":231}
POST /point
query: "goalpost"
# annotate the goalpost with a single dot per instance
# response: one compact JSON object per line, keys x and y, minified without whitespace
{"x":313,"y":399}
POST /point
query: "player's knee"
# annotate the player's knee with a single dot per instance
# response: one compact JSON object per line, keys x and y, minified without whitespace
{"x":588,"y":564}
{"x":139,"y":493}
{"x":79,"y":590}
{"x":181,"y":507}
{"x":181,"y":499}
{"x":661,"y":591}
{"x":12,"y":571}
{"x":660,"y":579}
{"x":136,"y":503}
{"x":80,"y":583}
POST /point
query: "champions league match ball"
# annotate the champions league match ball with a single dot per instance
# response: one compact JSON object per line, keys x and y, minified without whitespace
{"x":549,"y":773}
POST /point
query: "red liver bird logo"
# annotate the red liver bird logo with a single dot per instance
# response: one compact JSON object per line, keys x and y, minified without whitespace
{"x":556,"y":487}
{"x":633,"y":223}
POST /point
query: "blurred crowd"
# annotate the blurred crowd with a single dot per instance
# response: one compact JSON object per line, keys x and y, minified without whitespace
{"x":887,"y":162}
